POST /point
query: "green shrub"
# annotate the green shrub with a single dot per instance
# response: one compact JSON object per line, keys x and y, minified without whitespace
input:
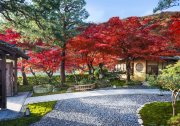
{"x":133,"y":83}
{"x":118,"y":82}
{"x":55,"y":79}
{"x":97,"y":72}
{"x":40,"y":80}
{"x":105,"y":82}
{"x":25,"y":88}
{"x":43,"y":80}
{"x":70,"y":78}
{"x":86,"y":81}
{"x":152,"y":80}
{"x":175,"y":121}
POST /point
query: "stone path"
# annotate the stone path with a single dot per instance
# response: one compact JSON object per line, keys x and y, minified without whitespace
{"x":14,"y":105}
{"x":57,"y":97}
{"x":109,"y":110}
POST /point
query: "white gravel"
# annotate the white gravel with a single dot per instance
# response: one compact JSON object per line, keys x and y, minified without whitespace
{"x":113,"y":110}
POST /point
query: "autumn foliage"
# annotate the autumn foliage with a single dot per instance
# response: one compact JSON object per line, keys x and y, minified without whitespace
{"x":105,"y":43}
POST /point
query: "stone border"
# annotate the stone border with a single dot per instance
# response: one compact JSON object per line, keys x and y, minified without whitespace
{"x":140,"y":121}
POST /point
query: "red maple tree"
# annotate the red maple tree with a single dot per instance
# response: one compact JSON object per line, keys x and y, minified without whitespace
{"x":132,"y":38}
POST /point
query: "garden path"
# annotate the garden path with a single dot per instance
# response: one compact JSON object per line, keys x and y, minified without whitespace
{"x":57,"y":97}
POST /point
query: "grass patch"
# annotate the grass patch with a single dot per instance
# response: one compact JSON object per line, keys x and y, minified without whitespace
{"x":38,"y":110}
{"x":158,"y":113}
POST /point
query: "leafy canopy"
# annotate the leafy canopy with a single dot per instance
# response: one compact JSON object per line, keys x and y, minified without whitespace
{"x":165,"y":4}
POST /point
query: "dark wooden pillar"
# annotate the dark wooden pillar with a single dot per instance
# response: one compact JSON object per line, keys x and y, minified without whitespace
{"x":15,"y":76}
{"x":2,"y":81}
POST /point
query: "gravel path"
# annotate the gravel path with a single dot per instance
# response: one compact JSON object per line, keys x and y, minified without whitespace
{"x":113,"y":110}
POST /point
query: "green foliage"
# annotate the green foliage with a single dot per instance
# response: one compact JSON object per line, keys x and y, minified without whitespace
{"x":40,"y":80}
{"x":101,"y":83}
{"x":175,"y":121}
{"x":97,"y":72}
{"x":158,"y":113}
{"x":133,"y":83}
{"x":46,"y":19}
{"x":152,"y":80}
{"x":38,"y":110}
{"x":165,"y":4}
{"x":25,"y":88}
{"x":170,"y":77}
{"x":86,"y":81}
{"x":55,"y":81}
{"x":70,"y":78}
{"x":118,"y":82}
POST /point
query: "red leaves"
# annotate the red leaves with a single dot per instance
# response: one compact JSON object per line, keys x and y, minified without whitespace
{"x":10,"y":36}
{"x":46,"y":60}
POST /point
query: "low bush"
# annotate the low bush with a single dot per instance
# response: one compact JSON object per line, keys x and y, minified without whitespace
{"x":40,"y":80}
{"x":102,"y":83}
{"x":134,"y":83}
{"x":55,"y":79}
{"x":118,"y":82}
{"x":175,"y":121}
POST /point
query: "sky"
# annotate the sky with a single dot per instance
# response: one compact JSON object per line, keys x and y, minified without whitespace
{"x":102,"y":10}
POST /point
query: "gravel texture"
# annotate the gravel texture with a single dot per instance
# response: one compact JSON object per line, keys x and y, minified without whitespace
{"x":114,"y":110}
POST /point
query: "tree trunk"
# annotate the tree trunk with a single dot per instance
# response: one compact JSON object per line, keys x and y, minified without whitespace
{"x":101,"y":72}
{"x":128,"y":71}
{"x":89,"y":68}
{"x":25,"y":81}
{"x":34,"y":74}
{"x":63,"y":76}
{"x":50,"y":74}
{"x":174,"y":98}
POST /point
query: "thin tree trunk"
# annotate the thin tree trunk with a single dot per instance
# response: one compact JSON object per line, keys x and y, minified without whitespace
{"x":50,"y":74}
{"x":174,"y":98}
{"x":25,"y":81}
{"x":34,"y":74}
{"x":128,"y":71}
{"x":89,"y":68}
{"x":63,"y":76}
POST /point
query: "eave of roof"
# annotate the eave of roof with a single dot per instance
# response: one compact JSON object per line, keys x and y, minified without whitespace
{"x":10,"y":49}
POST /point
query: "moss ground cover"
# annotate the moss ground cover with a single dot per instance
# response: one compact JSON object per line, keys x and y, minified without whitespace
{"x":38,"y":110}
{"x":159,"y":114}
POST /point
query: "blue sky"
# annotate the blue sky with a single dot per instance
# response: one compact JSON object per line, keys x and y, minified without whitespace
{"x":102,"y":10}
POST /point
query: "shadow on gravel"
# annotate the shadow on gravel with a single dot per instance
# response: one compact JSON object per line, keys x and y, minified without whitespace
{"x":111,"y":110}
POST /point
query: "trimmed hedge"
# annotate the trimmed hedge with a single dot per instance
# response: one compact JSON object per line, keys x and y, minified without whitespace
{"x":40,"y":80}
{"x":55,"y":79}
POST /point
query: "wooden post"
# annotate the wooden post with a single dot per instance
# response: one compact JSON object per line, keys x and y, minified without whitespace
{"x":15,"y":76}
{"x":3,"y":81}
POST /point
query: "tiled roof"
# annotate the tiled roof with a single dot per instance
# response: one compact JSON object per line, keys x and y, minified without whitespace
{"x":12,"y":48}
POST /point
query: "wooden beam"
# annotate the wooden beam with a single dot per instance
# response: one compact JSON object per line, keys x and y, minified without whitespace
{"x":7,"y":51}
